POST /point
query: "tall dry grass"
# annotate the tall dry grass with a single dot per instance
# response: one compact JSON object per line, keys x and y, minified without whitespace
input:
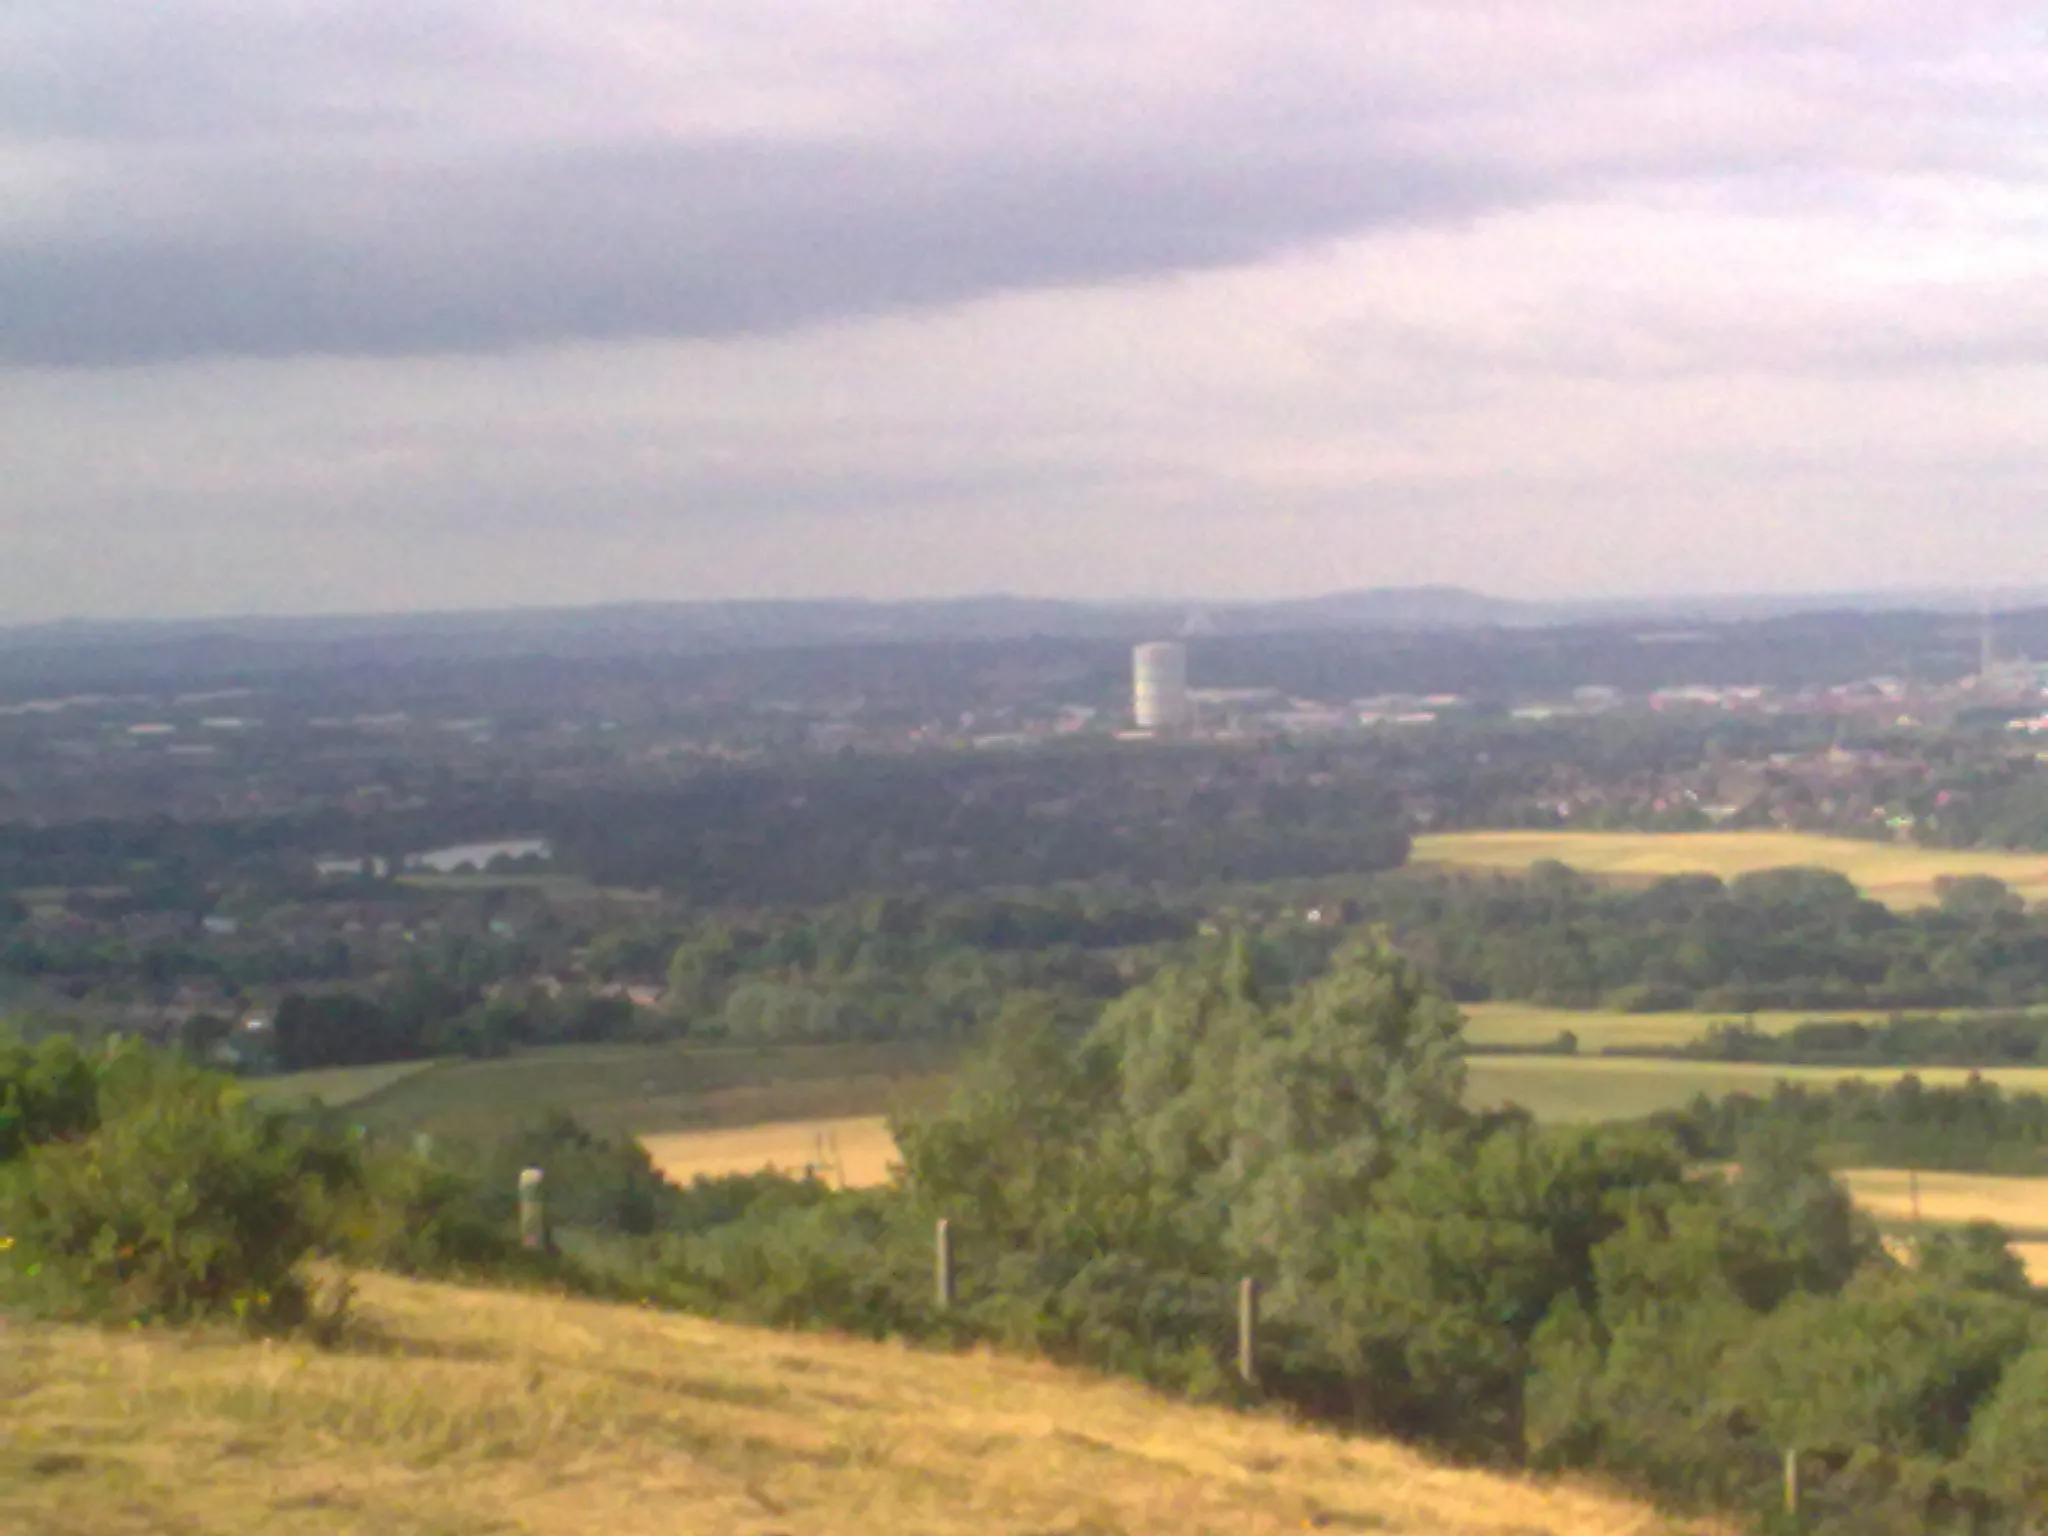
{"x":457,"y":1413}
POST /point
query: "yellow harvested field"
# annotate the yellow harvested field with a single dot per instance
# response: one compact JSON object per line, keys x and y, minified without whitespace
{"x":466,"y":1412}
{"x":854,"y":1153}
{"x":1898,"y":874}
{"x":2021,"y":1204}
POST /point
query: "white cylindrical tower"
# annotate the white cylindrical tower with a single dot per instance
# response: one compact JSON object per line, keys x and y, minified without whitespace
{"x":1159,"y":691}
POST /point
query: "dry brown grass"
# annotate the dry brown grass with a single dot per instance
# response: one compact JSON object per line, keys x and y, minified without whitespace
{"x":472,"y":1412}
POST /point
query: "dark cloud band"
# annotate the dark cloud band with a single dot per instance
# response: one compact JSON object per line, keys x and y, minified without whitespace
{"x":659,"y":240}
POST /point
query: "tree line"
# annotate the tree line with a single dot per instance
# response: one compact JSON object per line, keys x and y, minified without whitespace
{"x":1775,"y":939}
{"x":1972,"y":1128}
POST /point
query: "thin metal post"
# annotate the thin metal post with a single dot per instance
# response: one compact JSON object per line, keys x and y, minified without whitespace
{"x":1792,"y":1483}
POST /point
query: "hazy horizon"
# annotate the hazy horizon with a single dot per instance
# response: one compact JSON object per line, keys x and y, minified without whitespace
{"x":310,"y":307}
{"x":1950,"y":600}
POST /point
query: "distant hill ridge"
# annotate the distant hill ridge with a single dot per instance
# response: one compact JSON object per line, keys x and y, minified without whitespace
{"x":773,"y":622}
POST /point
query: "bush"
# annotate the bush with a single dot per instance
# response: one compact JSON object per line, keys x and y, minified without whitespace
{"x":414,"y":1217}
{"x":1893,"y":1364}
{"x":47,"y":1092}
{"x":857,"y":1262}
{"x":2008,"y":1452}
{"x":185,"y":1203}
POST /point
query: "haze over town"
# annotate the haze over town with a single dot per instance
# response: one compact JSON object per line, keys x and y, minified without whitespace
{"x":379,"y":306}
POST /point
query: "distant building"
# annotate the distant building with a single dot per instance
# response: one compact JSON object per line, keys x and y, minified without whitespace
{"x":1159,"y":688}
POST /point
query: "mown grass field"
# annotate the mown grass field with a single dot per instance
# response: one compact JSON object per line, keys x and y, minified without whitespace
{"x":1897,"y":874}
{"x":335,"y":1086}
{"x":643,"y":1090}
{"x":481,"y":1413}
{"x":1522,"y":1024}
{"x":1564,"y":1088}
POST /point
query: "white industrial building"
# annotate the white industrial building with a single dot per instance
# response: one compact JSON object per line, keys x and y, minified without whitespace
{"x":1159,"y":688}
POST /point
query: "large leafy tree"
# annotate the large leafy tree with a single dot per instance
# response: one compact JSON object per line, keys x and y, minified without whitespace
{"x":1268,"y":1114}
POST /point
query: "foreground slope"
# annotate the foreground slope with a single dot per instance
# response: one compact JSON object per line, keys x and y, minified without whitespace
{"x":457,"y":1412}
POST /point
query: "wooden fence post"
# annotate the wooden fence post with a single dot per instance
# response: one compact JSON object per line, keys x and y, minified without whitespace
{"x":1792,"y":1484}
{"x":1248,"y":1330}
{"x":942,"y":1263}
{"x":533,"y":1210}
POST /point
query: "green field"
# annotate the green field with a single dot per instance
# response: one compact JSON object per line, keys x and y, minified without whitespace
{"x":1526,"y":1024}
{"x":645,"y":1089}
{"x":659,"y":1090}
{"x":1615,"y":1088}
{"x":1899,"y":875}
{"x":335,"y":1085}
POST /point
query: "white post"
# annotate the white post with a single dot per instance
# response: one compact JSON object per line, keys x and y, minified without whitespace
{"x":533,"y":1210}
{"x":1248,"y":1331}
{"x":942,"y":1263}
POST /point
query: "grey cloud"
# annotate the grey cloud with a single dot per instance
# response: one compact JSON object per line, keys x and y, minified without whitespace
{"x":664,"y":240}
{"x":270,"y":178}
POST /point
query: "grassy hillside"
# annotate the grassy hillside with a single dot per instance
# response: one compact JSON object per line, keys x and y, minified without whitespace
{"x":460,"y":1413}
{"x":1899,"y":875}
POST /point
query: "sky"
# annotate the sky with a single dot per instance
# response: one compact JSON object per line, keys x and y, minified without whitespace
{"x":310,"y":306}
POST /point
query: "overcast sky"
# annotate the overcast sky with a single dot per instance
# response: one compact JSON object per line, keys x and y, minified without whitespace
{"x":319,"y":306}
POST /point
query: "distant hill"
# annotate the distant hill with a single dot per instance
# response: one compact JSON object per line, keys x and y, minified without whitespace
{"x":72,"y":654}
{"x":465,"y":1412}
{"x":992,"y":616}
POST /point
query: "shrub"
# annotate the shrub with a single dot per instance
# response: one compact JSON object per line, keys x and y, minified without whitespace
{"x":2008,"y":1451}
{"x":415,"y":1217}
{"x":1895,"y":1364}
{"x":858,"y":1262}
{"x":185,"y":1203}
{"x":47,"y":1091}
